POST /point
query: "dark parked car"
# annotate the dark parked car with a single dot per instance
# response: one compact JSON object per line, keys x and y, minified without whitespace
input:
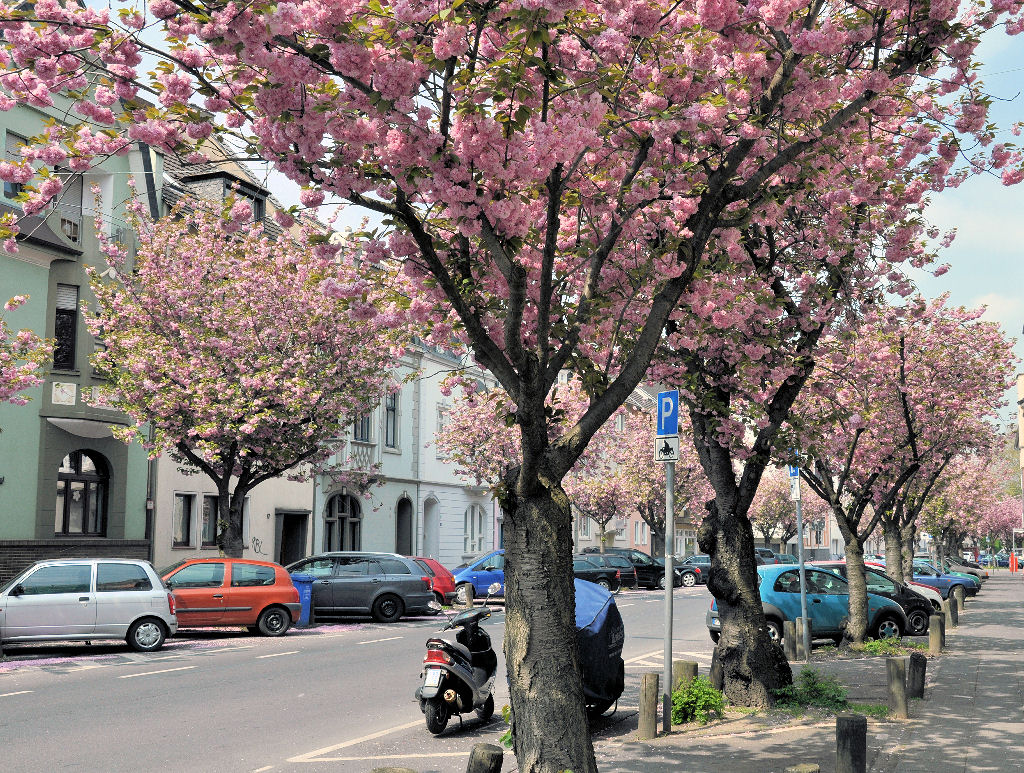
{"x":384,"y":585}
{"x":650,"y":572}
{"x":605,"y":576}
{"x":768,"y":555}
{"x":627,"y":574}
{"x":700,"y":565}
{"x":916,"y":607}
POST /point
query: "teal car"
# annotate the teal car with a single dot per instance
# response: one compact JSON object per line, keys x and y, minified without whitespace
{"x":828,"y":605}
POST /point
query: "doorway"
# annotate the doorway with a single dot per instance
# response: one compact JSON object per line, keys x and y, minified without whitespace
{"x":403,"y":528}
{"x":291,"y":536}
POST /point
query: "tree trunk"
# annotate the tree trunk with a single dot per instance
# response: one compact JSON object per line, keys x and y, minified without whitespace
{"x":549,"y":724}
{"x":230,"y":522}
{"x":752,"y":665}
{"x":857,"y":628}
{"x":909,"y":534}
{"x":893,"y":548}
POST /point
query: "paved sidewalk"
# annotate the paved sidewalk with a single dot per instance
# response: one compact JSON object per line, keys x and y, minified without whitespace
{"x":971,"y":718}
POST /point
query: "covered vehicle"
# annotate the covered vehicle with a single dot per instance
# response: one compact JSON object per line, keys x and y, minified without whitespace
{"x":600,"y":635}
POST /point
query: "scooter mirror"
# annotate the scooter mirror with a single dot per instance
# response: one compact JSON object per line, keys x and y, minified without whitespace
{"x":493,"y":588}
{"x":434,"y":605}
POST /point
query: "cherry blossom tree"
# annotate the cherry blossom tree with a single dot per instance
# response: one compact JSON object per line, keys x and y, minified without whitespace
{"x":897,"y":396}
{"x":22,"y":355}
{"x":222,"y":341}
{"x":559,"y":173}
{"x":772,"y":512}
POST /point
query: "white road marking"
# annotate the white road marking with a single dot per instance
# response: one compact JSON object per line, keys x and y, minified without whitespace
{"x":277,"y":654}
{"x":395,"y":757}
{"x":225,"y":649}
{"x":19,"y":692}
{"x":308,"y":756}
{"x":644,"y":657}
{"x":261,"y":770}
{"x":374,"y":641}
{"x":624,"y":605}
{"x":151,"y":673}
{"x":645,"y":664}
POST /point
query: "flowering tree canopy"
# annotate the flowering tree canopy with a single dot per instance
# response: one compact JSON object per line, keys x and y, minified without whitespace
{"x":559,"y":173}
{"x":227,"y":346}
{"x":22,"y":354}
{"x":911,"y":387}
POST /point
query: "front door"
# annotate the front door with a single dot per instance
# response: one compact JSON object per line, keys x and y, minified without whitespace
{"x":199,"y":590}
{"x":829,"y":603}
{"x":53,"y":600}
{"x":292,"y":539}
{"x":356,"y":582}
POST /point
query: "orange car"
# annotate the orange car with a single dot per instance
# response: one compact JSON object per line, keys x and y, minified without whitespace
{"x":233,"y":592}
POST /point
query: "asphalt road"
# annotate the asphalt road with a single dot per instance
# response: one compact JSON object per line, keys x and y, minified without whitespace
{"x":333,"y":698}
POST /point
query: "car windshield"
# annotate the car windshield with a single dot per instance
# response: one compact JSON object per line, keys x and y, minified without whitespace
{"x":169,"y":569}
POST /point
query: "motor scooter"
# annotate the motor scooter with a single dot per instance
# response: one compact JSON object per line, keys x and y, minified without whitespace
{"x":458,"y":677}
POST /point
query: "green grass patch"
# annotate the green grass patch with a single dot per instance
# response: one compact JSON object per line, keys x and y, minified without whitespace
{"x":874,"y":710}
{"x":887,"y":647}
{"x":811,"y":689}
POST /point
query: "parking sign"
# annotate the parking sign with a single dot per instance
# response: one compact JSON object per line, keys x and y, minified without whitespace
{"x":668,"y":413}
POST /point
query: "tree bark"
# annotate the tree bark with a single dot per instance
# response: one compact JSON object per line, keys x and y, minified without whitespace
{"x":540,"y":618}
{"x":893,"y":547}
{"x":230,"y":525}
{"x":752,"y":665}
{"x":909,"y":534}
{"x":857,"y":628}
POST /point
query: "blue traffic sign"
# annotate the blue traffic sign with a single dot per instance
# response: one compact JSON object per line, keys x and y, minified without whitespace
{"x":668,"y":413}
{"x":794,"y":471}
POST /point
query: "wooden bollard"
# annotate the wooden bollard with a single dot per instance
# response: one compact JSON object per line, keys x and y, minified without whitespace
{"x":935,"y":634}
{"x":897,"y":671}
{"x":716,"y":676}
{"x":683,"y":672}
{"x":947,"y":609}
{"x":649,"y":699}
{"x":851,"y":743}
{"x":485,"y":758}
{"x":954,"y":612}
{"x":915,"y":675}
{"x":789,"y":639}
{"x":960,"y":602}
{"x":801,"y":652}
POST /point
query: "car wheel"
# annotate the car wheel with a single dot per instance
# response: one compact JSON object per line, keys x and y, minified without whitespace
{"x":437,"y":714}
{"x":603,"y":582}
{"x":464,"y":593}
{"x":689,"y":580}
{"x":617,"y":588}
{"x":487,"y":710}
{"x":387,"y":609}
{"x":146,"y":635}
{"x":715,"y":636}
{"x":774,"y":630}
{"x":917,"y":622}
{"x":439,"y":598}
{"x":661,"y":583}
{"x":888,"y":628}
{"x":274,"y":621}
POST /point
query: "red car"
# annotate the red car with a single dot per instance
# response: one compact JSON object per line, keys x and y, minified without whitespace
{"x":233,"y":592}
{"x":442,"y":582}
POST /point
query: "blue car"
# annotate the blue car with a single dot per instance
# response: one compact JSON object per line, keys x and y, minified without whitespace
{"x":946,"y":584}
{"x":475,"y":579}
{"x":828,"y":605}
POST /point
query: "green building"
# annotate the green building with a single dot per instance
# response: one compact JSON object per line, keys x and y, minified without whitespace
{"x":67,"y":487}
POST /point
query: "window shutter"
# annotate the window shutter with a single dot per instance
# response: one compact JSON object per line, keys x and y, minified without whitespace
{"x":67,"y":297}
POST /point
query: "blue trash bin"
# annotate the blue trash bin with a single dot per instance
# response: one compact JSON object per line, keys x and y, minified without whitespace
{"x":304,"y":584}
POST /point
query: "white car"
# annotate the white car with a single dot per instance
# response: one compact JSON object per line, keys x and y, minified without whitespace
{"x":87,"y":599}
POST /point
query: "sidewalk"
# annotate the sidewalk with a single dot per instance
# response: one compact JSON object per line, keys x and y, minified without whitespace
{"x":970,"y":719}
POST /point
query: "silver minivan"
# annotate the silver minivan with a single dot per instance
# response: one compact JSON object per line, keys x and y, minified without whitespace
{"x":88,"y":599}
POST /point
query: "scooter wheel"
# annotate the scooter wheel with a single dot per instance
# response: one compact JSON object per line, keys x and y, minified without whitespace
{"x":437,"y":715}
{"x":485,"y":711}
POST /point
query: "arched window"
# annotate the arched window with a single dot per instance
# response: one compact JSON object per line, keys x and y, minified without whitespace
{"x":343,"y":521}
{"x":82,"y":482}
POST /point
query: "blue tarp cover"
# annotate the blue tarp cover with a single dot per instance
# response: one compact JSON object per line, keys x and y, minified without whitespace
{"x":599,"y":636}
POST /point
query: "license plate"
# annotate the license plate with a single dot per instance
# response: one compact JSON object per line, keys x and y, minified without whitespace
{"x":714,"y":621}
{"x":432,"y":678}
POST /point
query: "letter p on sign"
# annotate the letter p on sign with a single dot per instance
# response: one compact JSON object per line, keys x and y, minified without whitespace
{"x":668,"y":413}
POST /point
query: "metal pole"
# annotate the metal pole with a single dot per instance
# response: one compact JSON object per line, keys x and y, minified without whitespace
{"x":803,"y":575}
{"x":670,"y":536}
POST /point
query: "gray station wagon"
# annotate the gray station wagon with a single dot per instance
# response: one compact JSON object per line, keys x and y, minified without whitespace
{"x":384,"y":585}
{"x":86,"y":599}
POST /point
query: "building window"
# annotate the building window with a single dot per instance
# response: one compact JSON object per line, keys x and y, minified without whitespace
{"x":13,"y":148}
{"x":211,"y":515}
{"x":473,"y":529}
{"x":65,"y":327}
{"x":391,"y":421}
{"x":184,"y":505}
{"x":68,"y":205}
{"x":343,"y":523}
{"x":583,"y":527}
{"x":361,"y":430}
{"x":639,"y":533}
{"x":82,"y":482}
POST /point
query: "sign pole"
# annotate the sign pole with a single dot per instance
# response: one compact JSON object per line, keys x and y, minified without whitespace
{"x":794,"y":474}
{"x":670,"y":508}
{"x":666,"y":449}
